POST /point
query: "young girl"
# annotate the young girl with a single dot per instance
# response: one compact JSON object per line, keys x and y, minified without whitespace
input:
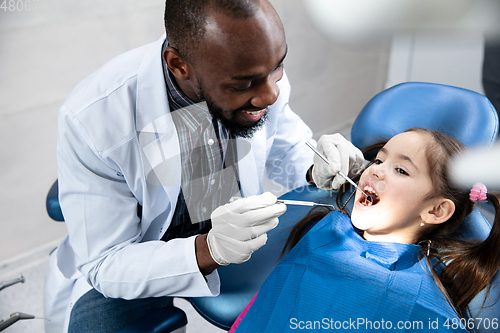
{"x":384,"y":269}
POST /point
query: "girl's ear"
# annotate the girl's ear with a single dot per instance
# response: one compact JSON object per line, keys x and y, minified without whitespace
{"x":441,"y":212}
{"x":176,"y":63}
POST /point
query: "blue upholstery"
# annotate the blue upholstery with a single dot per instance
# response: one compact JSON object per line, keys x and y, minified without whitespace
{"x":462,"y":114}
{"x":163,"y":320}
{"x":52,"y":203}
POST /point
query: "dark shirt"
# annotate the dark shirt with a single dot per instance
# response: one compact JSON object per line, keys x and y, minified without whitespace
{"x":208,"y":162}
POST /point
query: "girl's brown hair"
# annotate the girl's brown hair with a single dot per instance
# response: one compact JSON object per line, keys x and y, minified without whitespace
{"x":470,"y":265}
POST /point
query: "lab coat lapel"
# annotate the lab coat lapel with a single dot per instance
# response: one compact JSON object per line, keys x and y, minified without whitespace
{"x":157,"y":134}
{"x":152,"y":100}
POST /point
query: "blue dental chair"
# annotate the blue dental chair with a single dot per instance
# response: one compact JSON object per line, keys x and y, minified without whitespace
{"x":460,"y":113}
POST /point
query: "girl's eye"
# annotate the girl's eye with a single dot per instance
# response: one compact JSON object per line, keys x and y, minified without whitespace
{"x":377,"y":161}
{"x":402,"y":172}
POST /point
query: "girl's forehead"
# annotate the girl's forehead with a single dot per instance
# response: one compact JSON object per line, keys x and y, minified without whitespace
{"x":411,"y":146}
{"x":415,"y":142}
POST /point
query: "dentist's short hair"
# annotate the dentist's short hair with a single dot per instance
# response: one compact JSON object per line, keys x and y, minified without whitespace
{"x":185,"y":20}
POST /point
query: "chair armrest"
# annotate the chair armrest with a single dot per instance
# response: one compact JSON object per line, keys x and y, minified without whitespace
{"x":52,"y":203}
{"x":163,"y":320}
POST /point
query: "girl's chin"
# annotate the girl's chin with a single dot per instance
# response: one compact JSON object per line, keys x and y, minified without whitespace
{"x":358,"y":220}
{"x":363,"y":219}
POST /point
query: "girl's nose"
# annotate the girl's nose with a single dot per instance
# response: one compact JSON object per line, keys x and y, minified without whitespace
{"x":378,"y":170}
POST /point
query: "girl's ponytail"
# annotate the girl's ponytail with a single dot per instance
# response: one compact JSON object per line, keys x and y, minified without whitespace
{"x":470,"y":266}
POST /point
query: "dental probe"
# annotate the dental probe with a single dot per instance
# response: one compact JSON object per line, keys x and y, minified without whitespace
{"x":368,"y":197}
{"x":303,"y":203}
{"x":292,"y":202}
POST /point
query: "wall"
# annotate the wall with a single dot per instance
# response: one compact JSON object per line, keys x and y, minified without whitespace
{"x":446,"y":57}
{"x":331,"y":80}
{"x":44,"y":53}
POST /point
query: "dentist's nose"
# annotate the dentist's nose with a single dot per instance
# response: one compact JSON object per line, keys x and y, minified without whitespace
{"x":267,"y":94}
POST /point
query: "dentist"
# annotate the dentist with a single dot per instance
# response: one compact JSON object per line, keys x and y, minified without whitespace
{"x":152,"y":146}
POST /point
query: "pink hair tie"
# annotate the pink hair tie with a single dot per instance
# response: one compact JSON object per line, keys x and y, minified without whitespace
{"x":478,"y":193}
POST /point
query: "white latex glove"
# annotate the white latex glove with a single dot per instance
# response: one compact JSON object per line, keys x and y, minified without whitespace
{"x":342,"y":155}
{"x":239,"y":228}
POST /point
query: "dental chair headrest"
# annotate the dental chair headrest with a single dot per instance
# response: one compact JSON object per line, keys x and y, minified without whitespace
{"x":460,"y":113}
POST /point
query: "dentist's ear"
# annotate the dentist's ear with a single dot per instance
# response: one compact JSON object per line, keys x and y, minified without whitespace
{"x":176,"y":63}
{"x":440,"y":212}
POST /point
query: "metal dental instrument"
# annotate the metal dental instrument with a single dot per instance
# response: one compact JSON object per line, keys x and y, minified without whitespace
{"x":293,"y":202}
{"x":12,"y":282}
{"x":368,"y":197}
{"x":303,"y":203}
{"x":13,"y":318}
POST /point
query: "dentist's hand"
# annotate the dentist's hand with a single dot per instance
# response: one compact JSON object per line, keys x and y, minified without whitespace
{"x":239,"y":228}
{"x":342,"y":155}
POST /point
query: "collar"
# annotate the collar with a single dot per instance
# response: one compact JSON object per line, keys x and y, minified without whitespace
{"x":385,"y":254}
{"x":193,"y":113}
{"x":176,"y":96}
{"x":152,"y":102}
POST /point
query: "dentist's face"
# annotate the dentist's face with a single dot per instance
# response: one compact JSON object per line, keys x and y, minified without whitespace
{"x":240,"y":64}
{"x":399,"y":182}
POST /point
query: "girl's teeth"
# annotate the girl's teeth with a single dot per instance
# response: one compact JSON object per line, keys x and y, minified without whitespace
{"x":369,"y":198}
{"x":369,"y":189}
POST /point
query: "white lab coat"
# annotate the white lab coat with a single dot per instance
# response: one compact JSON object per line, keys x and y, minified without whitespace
{"x":114,"y":132}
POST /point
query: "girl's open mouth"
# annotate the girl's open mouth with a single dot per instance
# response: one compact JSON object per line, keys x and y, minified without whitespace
{"x":372,"y":198}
